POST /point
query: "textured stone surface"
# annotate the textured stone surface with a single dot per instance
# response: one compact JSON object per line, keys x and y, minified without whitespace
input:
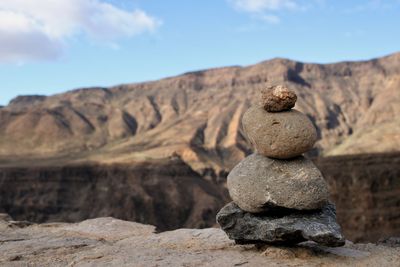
{"x":281,"y":226}
{"x":258,"y":183}
{"x":112,"y":242}
{"x":277,"y":98}
{"x":279,"y":135}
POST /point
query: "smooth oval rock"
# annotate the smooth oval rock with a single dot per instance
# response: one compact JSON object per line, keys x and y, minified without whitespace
{"x":260,"y":184}
{"x":279,"y":135}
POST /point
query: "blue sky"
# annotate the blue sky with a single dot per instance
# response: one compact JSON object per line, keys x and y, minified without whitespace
{"x":54,"y":46}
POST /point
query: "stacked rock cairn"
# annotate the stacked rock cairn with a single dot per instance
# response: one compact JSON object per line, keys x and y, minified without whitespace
{"x":279,"y":196}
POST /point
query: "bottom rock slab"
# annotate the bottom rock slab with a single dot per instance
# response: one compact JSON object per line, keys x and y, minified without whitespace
{"x":281,"y":226}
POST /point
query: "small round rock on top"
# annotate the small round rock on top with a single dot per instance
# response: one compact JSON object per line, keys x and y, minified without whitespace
{"x":280,"y":135}
{"x":277,"y":98}
{"x":259,"y":183}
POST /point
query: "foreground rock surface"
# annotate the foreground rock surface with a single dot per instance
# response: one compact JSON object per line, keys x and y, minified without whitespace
{"x":281,"y":227}
{"x":112,"y":242}
{"x":258,"y":183}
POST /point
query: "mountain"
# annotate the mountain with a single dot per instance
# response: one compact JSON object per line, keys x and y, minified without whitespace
{"x":197,"y":115}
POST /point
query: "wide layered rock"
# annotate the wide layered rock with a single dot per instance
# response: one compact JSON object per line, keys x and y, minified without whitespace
{"x":281,"y":226}
{"x":279,"y":135}
{"x":259,"y":183}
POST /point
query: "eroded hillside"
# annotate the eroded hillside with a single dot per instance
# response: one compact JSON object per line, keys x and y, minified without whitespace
{"x":197,"y":115}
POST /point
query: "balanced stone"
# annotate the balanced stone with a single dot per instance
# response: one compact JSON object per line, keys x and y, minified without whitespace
{"x":259,"y":183}
{"x":279,"y":196}
{"x":281,"y":227}
{"x":277,"y":98}
{"x":279,"y":135}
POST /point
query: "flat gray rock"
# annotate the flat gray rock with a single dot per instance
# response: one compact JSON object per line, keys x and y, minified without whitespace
{"x":258,"y":183}
{"x":282,"y":226}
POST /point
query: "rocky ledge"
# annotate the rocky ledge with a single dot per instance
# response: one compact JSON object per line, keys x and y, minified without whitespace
{"x":112,"y":242}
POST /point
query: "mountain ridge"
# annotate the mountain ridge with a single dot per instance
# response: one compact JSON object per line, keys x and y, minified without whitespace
{"x":213,"y":68}
{"x":196,"y":115}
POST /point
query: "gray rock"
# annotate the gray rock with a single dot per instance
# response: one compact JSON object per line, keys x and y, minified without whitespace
{"x":282,"y":226}
{"x":279,"y":135}
{"x":277,"y":98}
{"x":258,"y":183}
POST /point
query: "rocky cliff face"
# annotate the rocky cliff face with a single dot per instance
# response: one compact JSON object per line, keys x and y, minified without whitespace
{"x":197,"y":115}
{"x":170,"y":195}
{"x":165,"y":193}
{"x":366,"y":190}
{"x":112,"y":242}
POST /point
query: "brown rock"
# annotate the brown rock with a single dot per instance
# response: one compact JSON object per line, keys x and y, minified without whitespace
{"x":279,"y":253}
{"x":277,"y":98}
{"x":279,"y":135}
{"x":288,"y":252}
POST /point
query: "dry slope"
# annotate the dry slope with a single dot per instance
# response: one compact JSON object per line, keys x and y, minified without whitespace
{"x":197,"y":114}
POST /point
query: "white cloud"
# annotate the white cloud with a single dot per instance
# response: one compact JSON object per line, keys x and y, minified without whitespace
{"x":38,"y":30}
{"x":266,"y":10}
{"x":263,"y":5}
{"x":22,"y":40}
{"x":373,"y":5}
{"x":270,"y":18}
